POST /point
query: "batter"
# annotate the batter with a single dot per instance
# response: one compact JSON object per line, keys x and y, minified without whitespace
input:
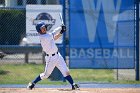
{"x":52,"y":57}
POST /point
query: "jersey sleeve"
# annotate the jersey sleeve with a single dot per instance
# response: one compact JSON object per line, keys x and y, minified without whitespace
{"x":57,"y":30}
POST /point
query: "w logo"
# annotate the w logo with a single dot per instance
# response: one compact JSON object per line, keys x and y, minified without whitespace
{"x":92,"y":11}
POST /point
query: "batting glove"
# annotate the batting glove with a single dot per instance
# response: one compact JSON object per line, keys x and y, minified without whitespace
{"x":63,"y":29}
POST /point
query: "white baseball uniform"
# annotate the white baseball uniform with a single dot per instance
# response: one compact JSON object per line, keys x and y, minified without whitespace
{"x":53,"y":58}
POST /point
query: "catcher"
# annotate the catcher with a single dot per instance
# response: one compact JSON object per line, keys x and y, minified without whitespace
{"x":52,"y":57}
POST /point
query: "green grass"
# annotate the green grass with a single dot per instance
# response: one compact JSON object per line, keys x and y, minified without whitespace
{"x":24,"y":73}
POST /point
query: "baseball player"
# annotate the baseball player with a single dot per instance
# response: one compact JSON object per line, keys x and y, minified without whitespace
{"x":52,"y":57}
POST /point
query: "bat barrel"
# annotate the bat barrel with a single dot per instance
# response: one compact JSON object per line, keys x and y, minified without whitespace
{"x":62,"y":22}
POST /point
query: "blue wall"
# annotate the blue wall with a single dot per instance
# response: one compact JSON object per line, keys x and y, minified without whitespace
{"x":102,"y":34}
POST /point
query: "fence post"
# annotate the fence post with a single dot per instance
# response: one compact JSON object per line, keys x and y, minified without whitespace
{"x":43,"y":57}
{"x":137,"y":40}
{"x":64,"y":35}
{"x":26,"y":57}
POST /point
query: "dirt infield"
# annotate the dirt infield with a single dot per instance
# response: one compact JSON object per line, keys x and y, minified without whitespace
{"x":82,"y":90}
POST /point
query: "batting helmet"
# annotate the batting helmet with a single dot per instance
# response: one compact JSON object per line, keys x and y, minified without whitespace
{"x":39,"y":25}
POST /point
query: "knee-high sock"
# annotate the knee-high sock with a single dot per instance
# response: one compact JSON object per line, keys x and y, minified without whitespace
{"x":69,"y":78}
{"x":37,"y":79}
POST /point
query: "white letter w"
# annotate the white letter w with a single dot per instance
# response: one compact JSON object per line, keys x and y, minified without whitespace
{"x":92,"y":14}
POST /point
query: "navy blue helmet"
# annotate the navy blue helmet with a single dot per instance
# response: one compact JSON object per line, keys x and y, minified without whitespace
{"x":39,"y":25}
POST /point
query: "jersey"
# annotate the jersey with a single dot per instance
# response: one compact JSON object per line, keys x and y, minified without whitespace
{"x":48,"y":43}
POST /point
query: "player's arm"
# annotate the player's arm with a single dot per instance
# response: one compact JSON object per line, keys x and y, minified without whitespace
{"x":59,"y":34}
{"x":56,"y":33}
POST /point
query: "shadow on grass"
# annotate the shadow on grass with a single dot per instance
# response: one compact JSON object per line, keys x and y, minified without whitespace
{"x":2,"y":72}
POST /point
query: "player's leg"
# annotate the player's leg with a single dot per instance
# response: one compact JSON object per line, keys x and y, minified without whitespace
{"x":61,"y":65}
{"x":48,"y":70}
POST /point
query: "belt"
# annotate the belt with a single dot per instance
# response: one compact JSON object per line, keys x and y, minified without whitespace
{"x":51,"y":54}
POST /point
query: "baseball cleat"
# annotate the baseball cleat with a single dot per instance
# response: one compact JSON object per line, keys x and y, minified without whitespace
{"x":30,"y":86}
{"x":75,"y":87}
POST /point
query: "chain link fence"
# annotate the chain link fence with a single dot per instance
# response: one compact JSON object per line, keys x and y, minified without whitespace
{"x":25,"y":61}
{"x":100,"y":21}
{"x":13,"y":29}
{"x":14,"y":47}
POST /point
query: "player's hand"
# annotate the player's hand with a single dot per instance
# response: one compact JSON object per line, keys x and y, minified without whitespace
{"x":63,"y":29}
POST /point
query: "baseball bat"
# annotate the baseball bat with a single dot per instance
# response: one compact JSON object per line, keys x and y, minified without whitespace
{"x":61,"y":19}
